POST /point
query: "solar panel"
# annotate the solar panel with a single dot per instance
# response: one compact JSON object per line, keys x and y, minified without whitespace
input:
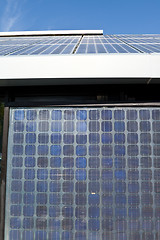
{"x":83,"y":173}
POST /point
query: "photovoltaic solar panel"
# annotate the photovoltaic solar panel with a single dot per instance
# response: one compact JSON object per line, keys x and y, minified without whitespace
{"x":88,"y":44}
{"x":83,"y":174}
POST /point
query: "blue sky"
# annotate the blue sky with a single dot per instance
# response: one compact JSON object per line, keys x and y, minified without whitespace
{"x":113,"y":16}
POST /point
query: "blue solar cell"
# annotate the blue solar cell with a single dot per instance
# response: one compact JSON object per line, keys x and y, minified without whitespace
{"x":41,"y":235}
{"x":81,"y":138}
{"x":67,"y":139}
{"x":69,"y":127}
{"x":54,"y":186}
{"x":17,"y":161}
{"x":29,"y":186}
{"x":56,"y":115}
{"x":107,"y":175}
{"x":69,"y":114}
{"x":80,"y":175}
{"x":68,"y":162}
{"x":15,"y":223}
{"x":133,"y":213}
{"x":119,"y":114}
{"x":80,"y":224}
{"x":41,"y":198}
{"x":54,"y":235}
{"x":106,"y":126}
{"x":133,"y":187}
{"x":107,"y":162}
{"x":42,"y":186}
{"x":28,"y":223}
{"x":81,"y":126}
{"x":131,"y":114}
{"x":28,"y":210}
{"x":94,"y":114}
{"x":94,"y":138}
{"x":67,"y":224}
{"x":106,"y":114}
{"x":119,"y":150}
{"x":94,"y":225}
{"x":43,"y":149}
{"x":29,"y":162}
{"x":68,"y":174}
{"x":145,"y":126}
{"x":19,"y":115}
{"x":54,"y":199}
{"x":81,"y":162}
{"x":120,"y":162}
{"x":134,"y":162}
{"x":15,"y":210}
{"x":93,"y":199}
{"x":16,"y":186}
{"x":132,"y":138}
{"x":144,"y":114}
{"x":41,"y":211}
{"x":18,"y":137}
{"x":107,"y":199}
{"x":156,"y":126}
{"x":55,"y":150}
{"x":31,"y":114}
{"x":94,"y":187}
{"x":119,"y":126}
{"x":107,"y":212}
{"x":94,"y":174}
{"x":67,"y":212}
{"x":18,"y":126}
{"x":94,"y":126}
{"x":30,"y":150}
{"x":28,"y":198}
{"x":29,"y":173}
{"x":68,"y":186}
{"x":120,"y":199}
{"x":56,"y":126}
{"x":30,"y":138}
{"x":132,"y":150}
{"x":133,"y":174}
{"x":120,"y":213}
{"x":55,"y":174}
{"x":94,"y":150}
{"x":44,"y":114}
{"x":80,"y":236}
{"x":42,"y":174}
{"x":145,"y":150}
{"x":17,"y":149}
{"x":132,"y":126}
{"x":120,"y":187}
{"x":156,"y":138}
{"x":81,"y":114}
{"x":133,"y":200}
{"x":16,"y":198}
{"x":42,"y":162}
{"x":106,"y":138}
{"x":107,"y":187}
{"x":66,"y":235}
{"x":156,"y":114}
{"x":94,"y":212}
{"x":81,"y":150}
{"x":55,"y":162}
{"x":107,"y":150}
{"x":31,"y":126}
{"x":68,"y":150}
{"x":16,"y":173}
{"x":119,"y":138}
{"x":43,"y":138}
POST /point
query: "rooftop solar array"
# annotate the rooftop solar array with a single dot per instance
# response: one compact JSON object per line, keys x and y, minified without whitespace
{"x":83,"y":174}
{"x":79,"y":44}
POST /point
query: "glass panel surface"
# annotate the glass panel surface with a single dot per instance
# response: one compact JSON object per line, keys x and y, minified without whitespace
{"x":83,"y":173}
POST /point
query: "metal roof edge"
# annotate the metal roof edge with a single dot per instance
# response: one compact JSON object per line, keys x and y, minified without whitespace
{"x":51,"y":33}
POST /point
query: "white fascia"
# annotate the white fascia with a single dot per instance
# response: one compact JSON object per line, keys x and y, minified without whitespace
{"x":90,"y":66}
{"x":51,"y":33}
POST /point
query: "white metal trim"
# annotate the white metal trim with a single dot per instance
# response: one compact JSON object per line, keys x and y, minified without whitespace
{"x":37,"y":69}
{"x":53,"y":32}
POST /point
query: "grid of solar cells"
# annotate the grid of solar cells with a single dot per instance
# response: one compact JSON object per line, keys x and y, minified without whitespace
{"x":83,"y":174}
{"x":38,"y":45}
{"x":144,"y":43}
{"x":103,"y":44}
